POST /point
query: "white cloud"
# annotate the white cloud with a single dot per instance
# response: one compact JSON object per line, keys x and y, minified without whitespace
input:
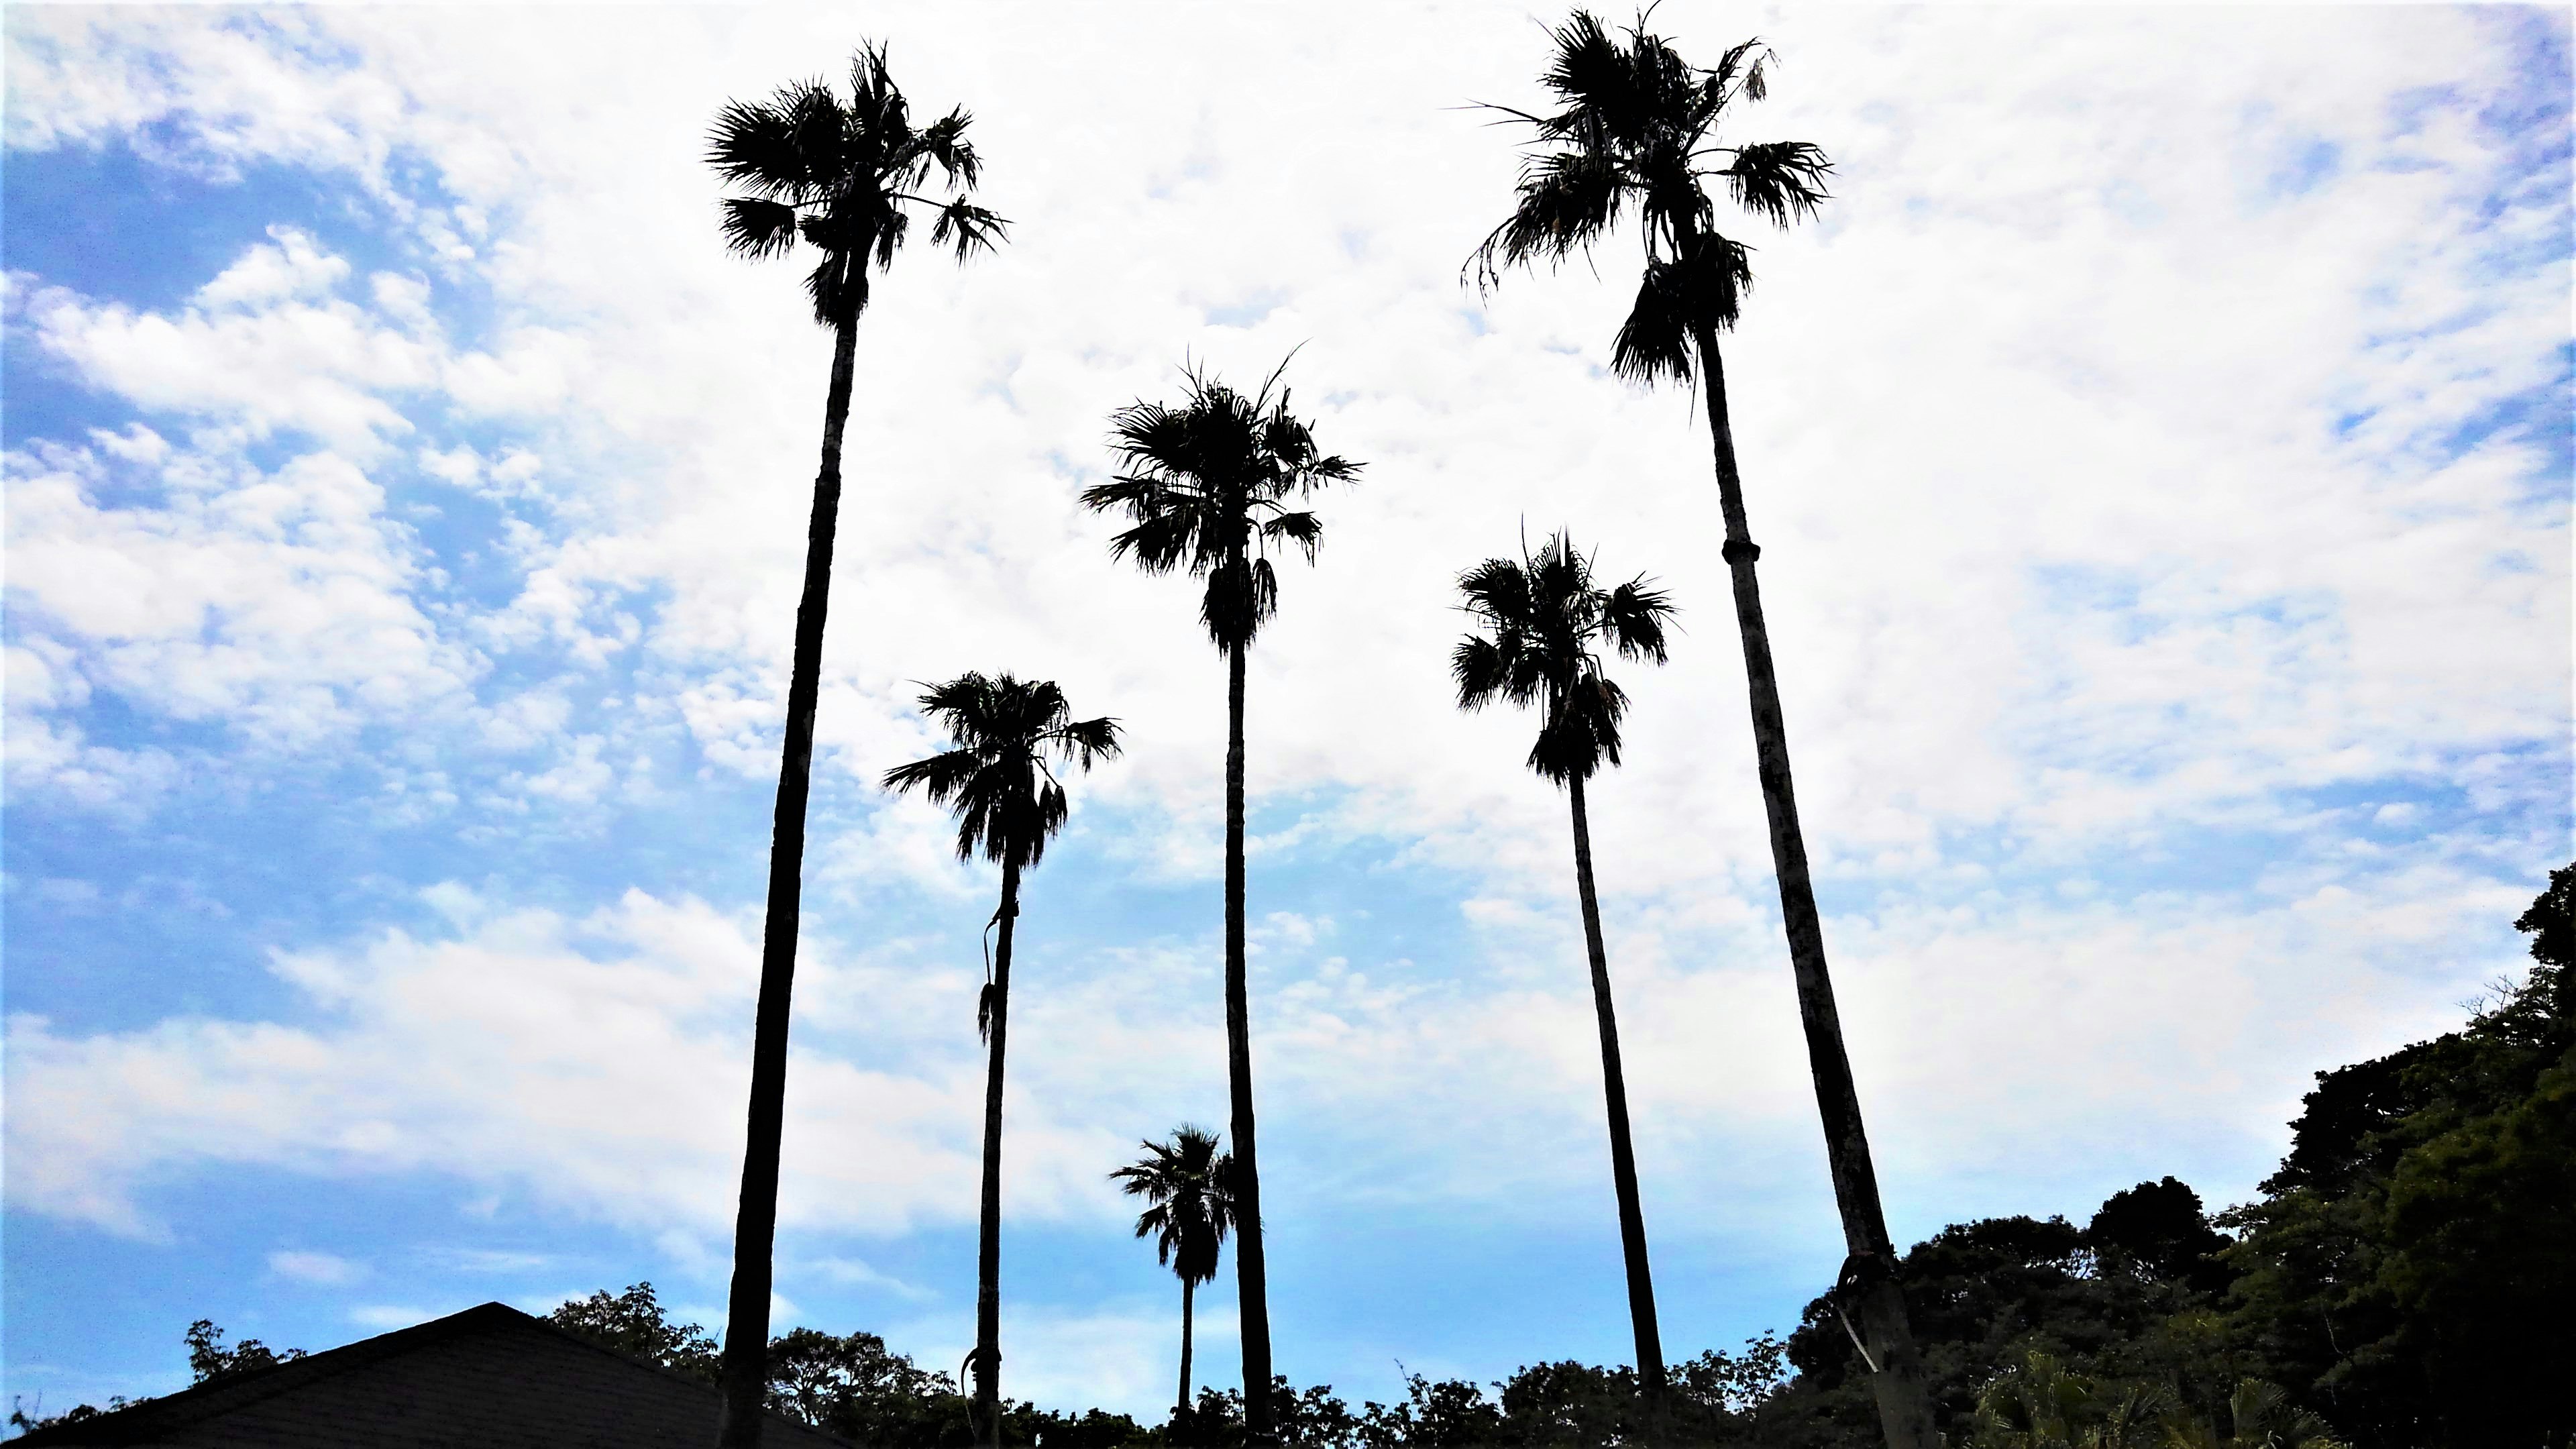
{"x":277,"y":601}
{"x":322,"y":1269}
{"x":295,"y":267}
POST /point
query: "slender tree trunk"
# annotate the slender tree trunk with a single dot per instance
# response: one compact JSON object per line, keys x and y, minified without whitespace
{"x":1904,"y":1412}
{"x":1189,"y":1290}
{"x":746,"y":1347}
{"x":988,"y":1238}
{"x":1614,"y":1085}
{"x":1251,"y":1287}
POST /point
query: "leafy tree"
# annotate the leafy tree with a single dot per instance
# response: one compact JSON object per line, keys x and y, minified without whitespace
{"x":210,"y":1362}
{"x":1191,"y":1209}
{"x":1008,"y":803}
{"x":2406,"y":1272}
{"x":842,"y":177}
{"x":634,"y":1323}
{"x":1546,"y":625}
{"x":853,"y":1386}
{"x":1208,"y":488}
{"x":1635,"y":129}
{"x":2158,"y":1230}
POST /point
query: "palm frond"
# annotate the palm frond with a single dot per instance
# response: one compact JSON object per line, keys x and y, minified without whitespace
{"x":1654,"y":340}
{"x":965,"y":227}
{"x":1089,"y":740}
{"x":1565,"y":199}
{"x":1303,"y":529}
{"x":1782,"y":181}
{"x":1633,"y":617}
{"x":758,"y":228}
{"x":753,"y":144}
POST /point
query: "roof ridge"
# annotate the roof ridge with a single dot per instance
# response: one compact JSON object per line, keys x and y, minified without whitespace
{"x":239,"y":1390}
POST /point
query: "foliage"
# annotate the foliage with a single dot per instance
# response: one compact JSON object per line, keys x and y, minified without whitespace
{"x":1545,"y":624}
{"x":841,"y":176}
{"x":1190,"y":1204}
{"x":2406,"y":1271}
{"x":1635,"y":132}
{"x":210,"y":1362}
{"x":1000,"y":732}
{"x":633,"y":1323}
{"x":1207,"y":489}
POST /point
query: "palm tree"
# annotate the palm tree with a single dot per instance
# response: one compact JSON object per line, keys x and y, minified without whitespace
{"x":1635,"y":128}
{"x":1545,"y":624}
{"x":1191,"y":1211}
{"x":844,"y":178}
{"x":994,"y":776}
{"x":1208,"y":487}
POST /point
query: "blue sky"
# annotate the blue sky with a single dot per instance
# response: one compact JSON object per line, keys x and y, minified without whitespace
{"x":2159,"y":450}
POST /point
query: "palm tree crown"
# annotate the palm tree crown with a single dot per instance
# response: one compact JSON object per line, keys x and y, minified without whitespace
{"x":1635,"y":128}
{"x":1191,"y":1207}
{"x":842,"y":175}
{"x":1209,"y":485}
{"x":995,"y":775}
{"x":1545,"y":623}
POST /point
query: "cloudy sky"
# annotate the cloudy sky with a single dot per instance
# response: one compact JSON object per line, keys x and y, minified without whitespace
{"x":2159,"y":447}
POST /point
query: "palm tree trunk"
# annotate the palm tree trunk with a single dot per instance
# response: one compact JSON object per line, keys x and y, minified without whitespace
{"x":746,"y":1348}
{"x":1251,"y":1288}
{"x":1614,"y":1083}
{"x":988,"y":1238}
{"x":1904,"y":1412}
{"x":1189,"y":1290}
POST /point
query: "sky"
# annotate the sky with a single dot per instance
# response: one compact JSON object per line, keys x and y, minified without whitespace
{"x":2159,"y":448}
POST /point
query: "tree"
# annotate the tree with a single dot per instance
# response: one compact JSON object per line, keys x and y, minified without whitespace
{"x":1208,"y":488}
{"x":1008,"y":803}
{"x":1546,"y":624}
{"x":1190,"y":1211}
{"x":633,"y":1323}
{"x":210,"y":1362}
{"x":842,"y":177}
{"x":1635,"y":129}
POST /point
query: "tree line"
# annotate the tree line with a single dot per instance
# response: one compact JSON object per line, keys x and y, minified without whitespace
{"x":1217,"y":485}
{"x":2400,"y":1282}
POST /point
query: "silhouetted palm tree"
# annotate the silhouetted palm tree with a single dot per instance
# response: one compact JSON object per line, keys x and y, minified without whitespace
{"x":841,"y":177}
{"x":1545,"y":625}
{"x":1635,"y":129}
{"x":1192,"y":1211}
{"x":1209,"y":485}
{"x":1007,"y":802}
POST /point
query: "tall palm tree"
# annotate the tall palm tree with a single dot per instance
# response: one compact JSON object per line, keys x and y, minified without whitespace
{"x":844,"y":178}
{"x":1635,"y":129}
{"x":994,"y":775}
{"x":1191,"y":1210}
{"x":1209,"y":487}
{"x":1546,"y":624}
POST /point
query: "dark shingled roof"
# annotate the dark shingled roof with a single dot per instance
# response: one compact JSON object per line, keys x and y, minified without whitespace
{"x":487,"y":1378}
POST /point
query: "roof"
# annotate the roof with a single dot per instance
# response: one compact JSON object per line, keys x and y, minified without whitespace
{"x":489,"y":1377}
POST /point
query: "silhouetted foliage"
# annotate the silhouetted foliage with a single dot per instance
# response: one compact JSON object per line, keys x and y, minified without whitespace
{"x":1546,"y":625}
{"x":843,"y":176}
{"x":633,"y":1323}
{"x":1207,"y":488}
{"x":210,"y":1362}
